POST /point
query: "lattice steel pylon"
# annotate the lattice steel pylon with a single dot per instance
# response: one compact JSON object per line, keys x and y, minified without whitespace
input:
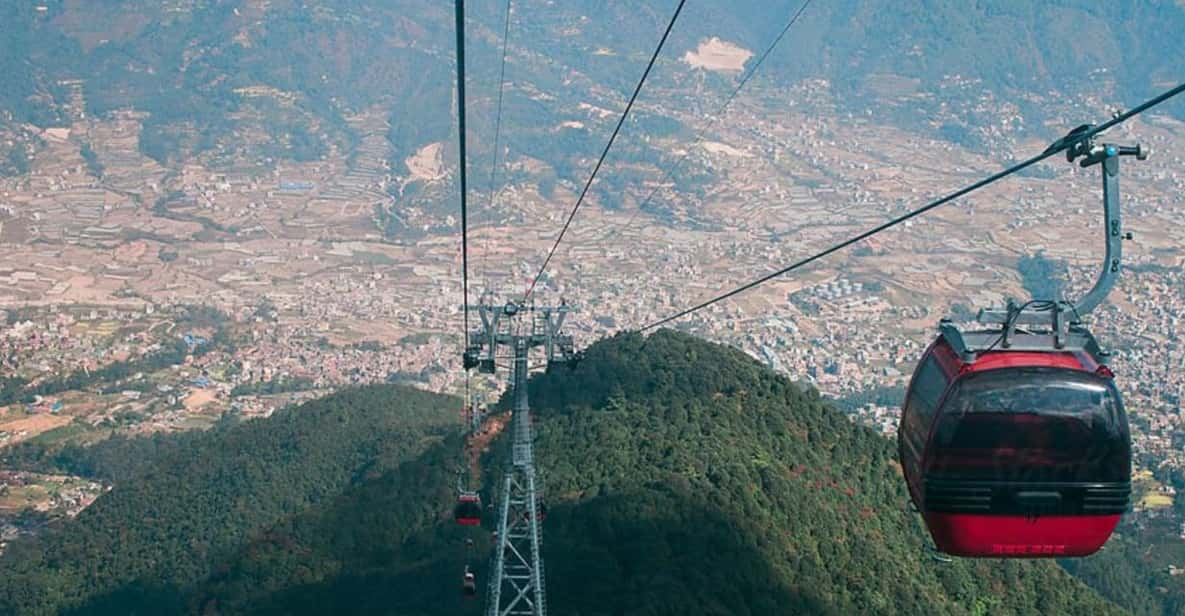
{"x":516,"y":575}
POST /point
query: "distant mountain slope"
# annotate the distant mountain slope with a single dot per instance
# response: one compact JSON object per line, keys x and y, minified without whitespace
{"x":142,"y":545}
{"x":187,"y":62}
{"x":684,"y":478}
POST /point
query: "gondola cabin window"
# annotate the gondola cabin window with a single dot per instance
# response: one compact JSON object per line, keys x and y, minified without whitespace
{"x":930,"y":383}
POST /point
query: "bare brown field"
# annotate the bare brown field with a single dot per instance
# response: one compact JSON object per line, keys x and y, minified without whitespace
{"x":32,"y":426}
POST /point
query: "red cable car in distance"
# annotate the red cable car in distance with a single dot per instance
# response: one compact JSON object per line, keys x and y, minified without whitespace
{"x":468,"y":509}
{"x":1013,"y":438}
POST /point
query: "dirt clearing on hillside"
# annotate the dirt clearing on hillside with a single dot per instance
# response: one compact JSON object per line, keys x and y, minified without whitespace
{"x":717,"y":55}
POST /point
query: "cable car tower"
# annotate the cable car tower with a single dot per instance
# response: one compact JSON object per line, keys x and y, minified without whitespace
{"x":516,"y":577}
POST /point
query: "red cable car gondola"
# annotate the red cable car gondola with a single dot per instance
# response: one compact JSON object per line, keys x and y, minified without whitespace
{"x":468,"y":509}
{"x":1015,"y":453}
{"x":1013,"y":440}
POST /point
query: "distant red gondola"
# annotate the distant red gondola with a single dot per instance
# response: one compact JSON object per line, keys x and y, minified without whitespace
{"x":468,"y":509}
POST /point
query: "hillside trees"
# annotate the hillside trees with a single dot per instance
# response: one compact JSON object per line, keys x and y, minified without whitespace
{"x":161,"y":532}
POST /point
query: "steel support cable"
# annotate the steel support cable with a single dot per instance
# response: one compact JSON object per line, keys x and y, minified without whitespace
{"x":497,"y":134}
{"x":703,"y":131}
{"x":617,"y":129}
{"x":460,"y":18}
{"x":1057,"y":147}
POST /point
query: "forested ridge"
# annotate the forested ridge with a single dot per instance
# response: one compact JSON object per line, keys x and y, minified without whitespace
{"x":682,"y":477}
{"x":815,"y":501}
{"x":159,"y":531}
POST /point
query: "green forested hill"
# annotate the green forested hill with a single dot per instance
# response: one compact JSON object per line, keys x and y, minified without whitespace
{"x":682,"y":478}
{"x":815,"y":502}
{"x":156,"y":534}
